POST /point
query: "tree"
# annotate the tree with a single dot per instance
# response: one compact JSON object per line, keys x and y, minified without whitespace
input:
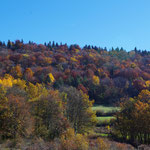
{"x":95,"y":80}
{"x":49,"y":119}
{"x":28,"y":74}
{"x":78,"y":110}
{"x":15,"y":119}
{"x":72,"y":141}
{"x":50,"y":78}
{"x":16,"y":71}
{"x":132,"y":122}
{"x":35,"y":91}
{"x":9,"y":44}
{"x":144,"y":96}
{"x":1,"y":43}
{"x":7,"y":81}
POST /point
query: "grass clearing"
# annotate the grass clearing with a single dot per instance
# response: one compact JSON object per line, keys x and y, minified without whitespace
{"x":107,"y":118}
{"x":105,"y":114}
{"x":105,"y":109}
{"x":104,"y":121}
{"x":103,"y":134}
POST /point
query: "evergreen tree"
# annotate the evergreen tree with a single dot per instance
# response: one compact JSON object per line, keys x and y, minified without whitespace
{"x":9,"y":44}
{"x":53,"y":44}
{"x":1,"y":43}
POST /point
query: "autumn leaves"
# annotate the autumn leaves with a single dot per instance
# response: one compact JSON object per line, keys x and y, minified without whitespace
{"x":133,"y":122}
{"x":28,"y":109}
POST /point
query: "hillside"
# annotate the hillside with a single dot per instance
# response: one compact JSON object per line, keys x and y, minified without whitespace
{"x":106,"y":76}
{"x":61,"y":97}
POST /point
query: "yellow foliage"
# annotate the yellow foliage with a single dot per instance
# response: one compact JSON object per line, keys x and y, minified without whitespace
{"x":79,"y":56}
{"x":32,"y":91}
{"x":72,"y":141}
{"x":147,"y":83}
{"x":8,"y":76}
{"x":101,"y":144}
{"x":108,"y":128}
{"x":1,"y":82}
{"x":16,"y":71}
{"x":100,"y":70}
{"x":90,"y":113}
{"x":77,"y":50}
{"x":25,"y":55}
{"x":85,"y":98}
{"x":73,"y":59}
{"x":35,"y":91}
{"x":20,"y":83}
{"x":68,"y":134}
{"x":134,"y":115}
{"x":81,"y":142}
{"x":7,"y":81}
{"x":133,"y":65}
{"x":96,"y":80}
{"x":48,"y":60}
{"x":91,"y":54}
{"x":144,"y":95}
{"x":51,"y":77}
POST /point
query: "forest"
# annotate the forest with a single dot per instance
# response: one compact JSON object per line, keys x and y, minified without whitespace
{"x":55,"y":96}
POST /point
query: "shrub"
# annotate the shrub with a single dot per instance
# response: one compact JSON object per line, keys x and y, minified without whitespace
{"x":72,"y":141}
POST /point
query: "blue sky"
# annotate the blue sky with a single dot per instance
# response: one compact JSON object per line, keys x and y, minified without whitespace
{"x":122,"y":23}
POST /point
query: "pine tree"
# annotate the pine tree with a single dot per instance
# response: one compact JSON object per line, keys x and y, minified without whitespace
{"x":9,"y":44}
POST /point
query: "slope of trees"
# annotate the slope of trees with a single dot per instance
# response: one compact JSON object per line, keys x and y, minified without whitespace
{"x":47,"y":91}
{"x":106,"y":76}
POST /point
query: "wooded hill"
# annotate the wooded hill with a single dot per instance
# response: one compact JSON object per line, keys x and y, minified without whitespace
{"x":105,"y":75}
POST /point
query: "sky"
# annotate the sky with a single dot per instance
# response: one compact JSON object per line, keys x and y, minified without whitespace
{"x":104,"y":23}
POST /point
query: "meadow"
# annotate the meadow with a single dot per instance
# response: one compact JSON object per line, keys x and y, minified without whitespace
{"x":105,"y":109}
{"x":105,"y":116}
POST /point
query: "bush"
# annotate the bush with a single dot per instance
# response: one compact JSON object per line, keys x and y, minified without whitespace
{"x":101,"y":144}
{"x":72,"y":141}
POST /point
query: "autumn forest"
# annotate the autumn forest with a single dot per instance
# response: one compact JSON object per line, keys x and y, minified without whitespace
{"x":55,"y":96}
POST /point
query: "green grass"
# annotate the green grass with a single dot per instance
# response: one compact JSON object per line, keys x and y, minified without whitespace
{"x":107,"y":118}
{"x":100,"y":134}
{"x":104,"y":121}
{"x":103,"y":134}
{"x":105,"y":109}
{"x":105,"y":114}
